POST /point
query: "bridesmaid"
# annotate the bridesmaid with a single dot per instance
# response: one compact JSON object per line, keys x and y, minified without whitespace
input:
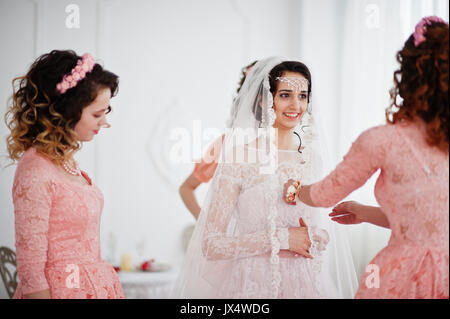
{"x":204,"y":170}
{"x":61,"y":102}
{"x":412,"y":151}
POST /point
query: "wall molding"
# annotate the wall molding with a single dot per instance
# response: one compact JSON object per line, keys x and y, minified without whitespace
{"x":39,"y":34}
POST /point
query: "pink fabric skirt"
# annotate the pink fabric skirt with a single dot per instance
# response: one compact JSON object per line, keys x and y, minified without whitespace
{"x":96,"y":280}
{"x":407,"y":271}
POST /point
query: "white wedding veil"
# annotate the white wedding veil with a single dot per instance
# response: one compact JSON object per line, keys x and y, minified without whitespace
{"x":218,"y":245}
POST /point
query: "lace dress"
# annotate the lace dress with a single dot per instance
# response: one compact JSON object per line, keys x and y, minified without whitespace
{"x":413,"y":191}
{"x":246,"y":236}
{"x":57,"y":225}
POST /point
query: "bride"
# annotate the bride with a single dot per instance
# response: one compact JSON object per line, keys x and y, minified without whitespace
{"x":247,"y":243}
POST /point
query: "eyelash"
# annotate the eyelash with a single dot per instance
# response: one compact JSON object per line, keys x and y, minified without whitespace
{"x":286,"y":95}
{"x":108,"y":110}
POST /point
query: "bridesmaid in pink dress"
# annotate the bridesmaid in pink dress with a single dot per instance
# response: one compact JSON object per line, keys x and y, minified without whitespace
{"x":412,"y":152}
{"x":61,"y":102}
{"x":204,"y":170}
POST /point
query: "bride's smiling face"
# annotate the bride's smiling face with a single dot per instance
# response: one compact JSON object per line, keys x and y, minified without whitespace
{"x":290,"y":100}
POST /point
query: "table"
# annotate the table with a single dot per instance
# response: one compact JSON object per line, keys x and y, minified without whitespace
{"x":147,"y":285}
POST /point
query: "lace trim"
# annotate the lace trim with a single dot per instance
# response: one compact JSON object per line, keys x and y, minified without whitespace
{"x":275,"y":243}
{"x":313,"y":250}
{"x":268,"y":114}
{"x":283,"y":238}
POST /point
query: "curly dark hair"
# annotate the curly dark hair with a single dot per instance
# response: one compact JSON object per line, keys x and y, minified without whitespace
{"x":41,"y":117}
{"x":422,"y":83}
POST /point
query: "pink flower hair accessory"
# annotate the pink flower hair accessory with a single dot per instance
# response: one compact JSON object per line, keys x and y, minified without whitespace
{"x":70,"y":80}
{"x":421,"y":27}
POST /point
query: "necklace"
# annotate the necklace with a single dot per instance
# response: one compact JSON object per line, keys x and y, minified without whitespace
{"x":71,"y":170}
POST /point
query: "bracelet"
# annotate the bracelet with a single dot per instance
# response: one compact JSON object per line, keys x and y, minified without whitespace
{"x":292,"y":192}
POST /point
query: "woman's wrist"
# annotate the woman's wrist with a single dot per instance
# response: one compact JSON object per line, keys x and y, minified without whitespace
{"x":297,"y":195}
{"x":363,"y":212}
{"x":374,"y":215}
{"x":304,"y":195}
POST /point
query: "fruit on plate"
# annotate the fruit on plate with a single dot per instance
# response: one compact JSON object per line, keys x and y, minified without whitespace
{"x":147,"y":264}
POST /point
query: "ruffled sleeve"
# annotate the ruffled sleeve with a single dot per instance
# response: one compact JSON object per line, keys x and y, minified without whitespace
{"x":364,"y":158}
{"x":32,"y":197}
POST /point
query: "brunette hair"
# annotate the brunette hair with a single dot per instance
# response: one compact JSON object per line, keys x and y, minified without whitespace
{"x":41,"y":117}
{"x":422,"y":84}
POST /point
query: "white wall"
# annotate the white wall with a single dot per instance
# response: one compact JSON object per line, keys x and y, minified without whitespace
{"x":180,"y":61}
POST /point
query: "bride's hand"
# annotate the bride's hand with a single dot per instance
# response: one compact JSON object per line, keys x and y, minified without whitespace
{"x":288,"y":184}
{"x":299,"y":241}
{"x":348,"y":213}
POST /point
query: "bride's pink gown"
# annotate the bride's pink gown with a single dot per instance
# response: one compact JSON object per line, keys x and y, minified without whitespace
{"x":413,"y":191}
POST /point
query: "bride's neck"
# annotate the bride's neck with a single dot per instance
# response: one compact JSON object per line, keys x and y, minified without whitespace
{"x":286,"y":139}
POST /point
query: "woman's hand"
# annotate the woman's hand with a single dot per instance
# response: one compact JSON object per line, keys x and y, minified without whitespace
{"x":290,"y":191}
{"x":348,"y":213}
{"x":43,"y":294}
{"x":351,"y":212}
{"x":299,"y":241}
{"x":187,"y":194}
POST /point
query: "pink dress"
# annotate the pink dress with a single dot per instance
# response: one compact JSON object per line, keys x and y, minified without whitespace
{"x":57,"y":224}
{"x":413,"y":191}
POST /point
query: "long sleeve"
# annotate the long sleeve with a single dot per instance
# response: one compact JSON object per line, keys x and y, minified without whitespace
{"x":217,"y":244}
{"x":32,"y":204}
{"x":364,"y":158}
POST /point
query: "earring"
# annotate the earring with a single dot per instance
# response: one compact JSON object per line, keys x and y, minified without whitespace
{"x":272,"y":116}
{"x":268,"y":118}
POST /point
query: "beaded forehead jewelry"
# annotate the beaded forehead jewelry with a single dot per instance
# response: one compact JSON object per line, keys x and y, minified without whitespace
{"x":299,"y":84}
{"x":70,"y":80}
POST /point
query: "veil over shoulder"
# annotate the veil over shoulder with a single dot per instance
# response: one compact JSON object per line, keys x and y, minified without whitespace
{"x":238,"y":248}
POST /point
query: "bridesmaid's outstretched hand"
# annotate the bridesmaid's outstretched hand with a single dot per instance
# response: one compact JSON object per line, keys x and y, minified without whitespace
{"x":348,"y":213}
{"x":351,"y":212}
